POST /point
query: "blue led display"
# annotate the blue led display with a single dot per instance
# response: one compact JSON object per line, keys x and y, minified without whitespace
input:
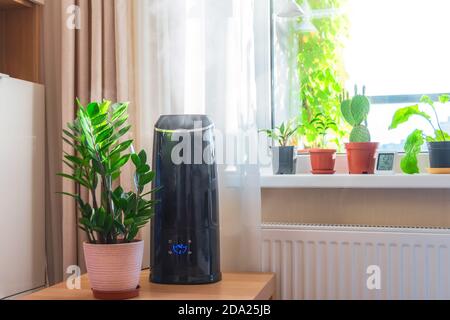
{"x":180,"y":249}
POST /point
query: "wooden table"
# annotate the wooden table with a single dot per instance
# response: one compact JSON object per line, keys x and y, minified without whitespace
{"x":234,"y":286}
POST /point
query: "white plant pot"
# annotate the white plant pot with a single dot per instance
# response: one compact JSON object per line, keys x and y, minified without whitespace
{"x":114,"y":270}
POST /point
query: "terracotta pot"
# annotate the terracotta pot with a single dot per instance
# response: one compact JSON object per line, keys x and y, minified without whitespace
{"x":114,"y":270}
{"x":361,"y":157}
{"x":323,"y":161}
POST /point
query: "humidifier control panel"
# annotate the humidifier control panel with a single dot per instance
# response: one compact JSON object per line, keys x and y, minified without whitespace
{"x":180,"y":248}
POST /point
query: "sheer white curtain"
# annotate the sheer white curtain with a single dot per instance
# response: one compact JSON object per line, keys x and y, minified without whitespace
{"x":197,"y":56}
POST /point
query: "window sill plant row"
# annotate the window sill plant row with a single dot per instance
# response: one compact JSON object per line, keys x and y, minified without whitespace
{"x":361,"y":151}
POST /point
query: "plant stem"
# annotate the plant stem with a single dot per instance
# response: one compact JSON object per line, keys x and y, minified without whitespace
{"x":439,"y":124}
{"x":431,"y":124}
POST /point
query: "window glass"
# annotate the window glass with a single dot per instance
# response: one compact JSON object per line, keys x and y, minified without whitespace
{"x":397,"y":49}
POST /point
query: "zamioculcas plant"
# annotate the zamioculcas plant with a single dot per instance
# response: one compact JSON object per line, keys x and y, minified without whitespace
{"x":100,"y":153}
{"x":112,"y":217}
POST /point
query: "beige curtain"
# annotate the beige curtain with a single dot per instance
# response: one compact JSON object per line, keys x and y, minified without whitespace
{"x":89,"y":55}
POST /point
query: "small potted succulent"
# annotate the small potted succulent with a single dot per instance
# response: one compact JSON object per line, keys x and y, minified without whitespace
{"x":112,"y":217}
{"x":323,"y":160}
{"x":283,"y":155}
{"x":361,"y":152}
{"x":438,"y":143}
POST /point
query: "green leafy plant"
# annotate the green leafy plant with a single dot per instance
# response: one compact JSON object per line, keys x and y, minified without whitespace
{"x":417,"y":138}
{"x":321,"y":70}
{"x":282,"y":134}
{"x":356,"y":111}
{"x":323,"y":124}
{"x":97,"y":135}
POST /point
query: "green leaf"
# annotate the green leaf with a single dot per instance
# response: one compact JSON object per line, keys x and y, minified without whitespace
{"x":119,"y":112}
{"x":99,"y":129}
{"x":136,"y":160}
{"x":85,"y":222}
{"x":70,"y":165}
{"x":74,"y":160}
{"x":143,"y":169}
{"x":444,"y":98}
{"x":104,"y":135}
{"x":146,"y":179}
{"x":120,"y":163}
{"x":106,"y":145}
{"x":99,"y":120}
{"x":413,"y":145}
{"x":120,"y":122}
{"x":121,"y":147}
{"x":404,"y":114}
{"x":427,"y":100}
{"x":143,"y":157}
{"x":120,"y":227}
{"x":440,"y":136}
{"x":121,"y":133}
{"x":116,"y":175}
{"x":147,"y":213}
{"x":105,"y":106}
{"x":152,"y":191}
{"x":79,"y":180}
{"x":118,"y":192}
{"x":282,"y":128}
{"x":86,"y":210}
{"x":70,"y":135}
{"x":128,"y":222}
{"x":98,"y":229}
{"x":93,"y":109}
{"x":133,"y":233}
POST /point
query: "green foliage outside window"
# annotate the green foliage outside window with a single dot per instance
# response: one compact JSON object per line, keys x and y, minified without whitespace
{"x":322,"y":73}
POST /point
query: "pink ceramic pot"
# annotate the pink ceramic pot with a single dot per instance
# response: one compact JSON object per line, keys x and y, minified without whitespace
{"x":114,"y":268}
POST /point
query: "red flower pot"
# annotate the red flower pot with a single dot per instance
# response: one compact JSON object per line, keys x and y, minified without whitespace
{"x":361,"y":157}
{"x":323,"y":161}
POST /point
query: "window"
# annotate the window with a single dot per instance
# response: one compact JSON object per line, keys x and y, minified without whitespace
{"x":397,"y":49}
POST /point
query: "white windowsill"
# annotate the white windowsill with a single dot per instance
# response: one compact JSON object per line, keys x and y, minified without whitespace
{"x":345,"y":181}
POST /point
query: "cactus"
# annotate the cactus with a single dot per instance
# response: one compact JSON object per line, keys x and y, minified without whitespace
{"x":355,"y":112}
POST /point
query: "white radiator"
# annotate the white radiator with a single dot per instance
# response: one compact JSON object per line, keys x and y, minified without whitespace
{"x":331,"y":262}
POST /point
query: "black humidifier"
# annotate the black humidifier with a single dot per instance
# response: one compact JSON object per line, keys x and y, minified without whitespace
{"x":185,"y":247}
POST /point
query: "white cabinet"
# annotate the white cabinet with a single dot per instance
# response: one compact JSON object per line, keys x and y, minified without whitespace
{"x":22,"y":186}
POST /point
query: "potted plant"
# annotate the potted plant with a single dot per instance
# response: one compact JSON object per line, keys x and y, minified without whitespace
{"x":361,"y":151}
{"x":438,"y":143}
{"x":112,"y":217}
{"x":283,"y":155}
{"x":323,"y":160}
